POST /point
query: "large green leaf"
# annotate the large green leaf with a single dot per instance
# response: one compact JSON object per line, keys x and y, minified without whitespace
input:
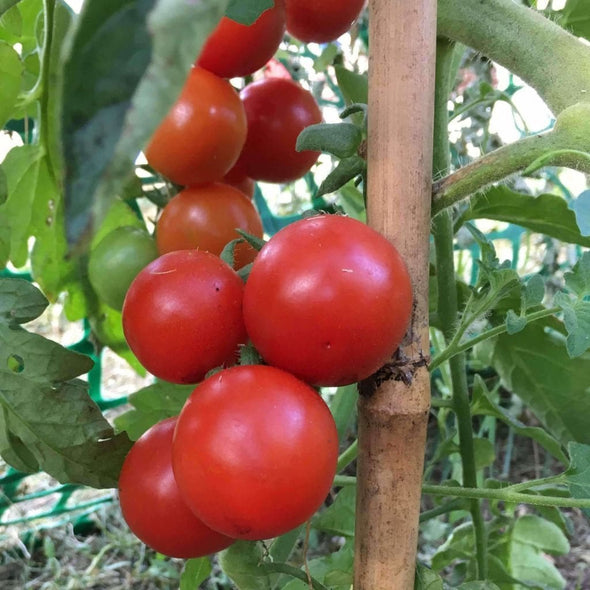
{"x":11,"y":69}
{"x":575,"y":17}
{"x":546,"y":214}
{"x":247,"y":12}
{"x":535,"y":365}
{"x":125,"y":66}
{"x":152,"y":404}
{"x":6,"y":5}
{"x":47,"y":419}
{"x":578,"y":472}
{"x":195,"y":572}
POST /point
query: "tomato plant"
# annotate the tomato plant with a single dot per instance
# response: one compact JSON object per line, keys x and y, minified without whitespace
{"x":254,"y":452}
{"x":234,"y":49}
{"x":151,"y":503}
{"x":182,"y":315}
{"x":328,"y":299}
{"x":321,"y":22}
{"x":116,"y":260}
{"x":277,"y":110}
{"x":206,"y":217}
{"x":201,"y":137}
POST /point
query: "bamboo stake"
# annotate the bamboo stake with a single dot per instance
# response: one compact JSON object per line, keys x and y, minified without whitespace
{"x":393,"y":414}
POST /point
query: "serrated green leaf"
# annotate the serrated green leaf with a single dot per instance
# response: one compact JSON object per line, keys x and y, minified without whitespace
{"x":540,"y":533}
{"x":346,"y":170}
{"x":247,"y":13}
{"x":483,"y":404}
{"x":354,"y":87}
{"x":578,"y":279}
{"x":578,"y":473}
{"x":459,"y":546}
{"x":426,"y":579}
{"x":534,"y":292}
{"x":20,"y":302}
{"x":112,"y":106}
{"x":353,"y":202}
{"x":11,"y":69}
{"x":339,"y":517}
{"x":241,"y":563}
{"x":535,"y":365}
{"x":546,"y":214}
{"x":194,"y":573}
{"x":576,"y":317}
{"x":49,"y":421}
{"x":150,"y":405}
{"x":485,"y":453}
{"x":339,"y":139}
{"x":514,"y":323}
{"x":21,"y":167}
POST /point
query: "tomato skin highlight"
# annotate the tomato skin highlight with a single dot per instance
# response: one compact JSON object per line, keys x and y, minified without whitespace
{"x":201,"y":137}
{"x":321,"y":22}
{"x":234,"y":49}
{"x":206,"y":217}
{"x":277,"y":110}
{"x":265,"y":443}
{"x":328,"y":299}
{"x":182,"y":315}
{"x":115,"y":261}
{"x":151,"y":503}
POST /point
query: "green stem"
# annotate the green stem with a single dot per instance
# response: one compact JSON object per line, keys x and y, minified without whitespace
{"x":448,"y":307}
{"x":562,"y":147}
{"x":456,"y":504}
{"x":502,"y":494}
{"x":506,"y":496}
{"x":455,"y":348}
{"x":348,"y":456}
{"x":535,"y":483}
{"x":285,"y":568}
{"x":556,"y":63}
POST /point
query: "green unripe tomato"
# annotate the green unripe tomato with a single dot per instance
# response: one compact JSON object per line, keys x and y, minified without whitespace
{"x":115,"y":261}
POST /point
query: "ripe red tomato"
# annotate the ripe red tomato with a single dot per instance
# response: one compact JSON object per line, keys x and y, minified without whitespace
{"x":115,"y":261}
{"x":242,"y":182}
{"x":234,"y":49}
{"x":151,"y":503}
{"x":328,"y":299}
{"x":266,"y":445}
{"x":206,"y":217}
{"x":182,"y":315}
{"x":201,"y":137}
{"x":321,"y":22}
{"x":277,"y":111}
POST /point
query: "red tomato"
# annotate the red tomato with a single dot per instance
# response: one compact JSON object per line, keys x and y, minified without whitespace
{"x":182,"y":315}
{"x":201,"y":137}
{"x":234,"y":49}
{"x":323,"y":21}
{"x":242,"y":182}
{"x":266,"y":445}
{"x":206,"y":217}
{"x":151,"y":503}
{"x":328,"y":299}
{"x":277,"y":111}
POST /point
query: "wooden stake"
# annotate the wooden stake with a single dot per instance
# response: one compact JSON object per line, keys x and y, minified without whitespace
{"x":393,"y":414}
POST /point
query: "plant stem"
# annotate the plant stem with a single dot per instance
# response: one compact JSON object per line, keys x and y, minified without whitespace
{"x":348,"y":456}
{"x":551,"y":60}
{"x":456,"y":504}
{"x":448,"y":310}
{"x":455,"y":348}
{"x":535,"y":483}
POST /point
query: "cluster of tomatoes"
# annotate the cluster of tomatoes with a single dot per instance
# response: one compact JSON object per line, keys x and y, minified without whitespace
{"x":253,"y":452}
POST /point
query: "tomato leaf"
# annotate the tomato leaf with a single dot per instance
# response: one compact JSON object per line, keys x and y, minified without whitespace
{"x":578,"y":473}
{"x":426,"y":579}
{"x":339,"y":517}
{"x":112,"y":105}
{"x":11,"y":69}
{"x":534,"y":364}
{"x":346,"y":170}
{"x":339,"y":139}
{"x":6,"y":5}
{"x":47,"y":419}
{"x":354,"y":87}
{"x":247,"y":12}
{"x":483,"y":404}
{"x":195,"y":572}
{"x":546,"y":214}
{"x":150,"y":405}
{"x":241,"y":562}
{"x":575,"y":17}
{"x":581,"y":208}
